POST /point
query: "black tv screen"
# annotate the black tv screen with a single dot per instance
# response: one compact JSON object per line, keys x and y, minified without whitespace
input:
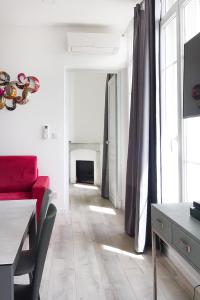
{"x":191,"y":85}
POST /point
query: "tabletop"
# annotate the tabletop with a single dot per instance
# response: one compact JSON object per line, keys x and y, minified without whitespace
{"x":179,"y":213}
{"x":15,"y":217}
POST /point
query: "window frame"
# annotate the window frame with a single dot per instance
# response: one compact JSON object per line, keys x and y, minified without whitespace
{"x":177,"y":10}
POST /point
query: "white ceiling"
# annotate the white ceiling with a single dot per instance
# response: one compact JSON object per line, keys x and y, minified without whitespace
{"x":112,"y":13}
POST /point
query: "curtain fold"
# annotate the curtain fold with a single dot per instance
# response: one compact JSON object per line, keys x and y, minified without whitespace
{"x":153,"y":15}
{"x":142,"y":168}
{"x":105,"y":165}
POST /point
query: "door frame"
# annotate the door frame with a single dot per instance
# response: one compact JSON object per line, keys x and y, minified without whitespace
{"x":116,"y":200}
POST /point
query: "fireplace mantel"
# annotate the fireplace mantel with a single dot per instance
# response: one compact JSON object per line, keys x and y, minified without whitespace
{"x":90,"y":146}
{"x":86,"y":151}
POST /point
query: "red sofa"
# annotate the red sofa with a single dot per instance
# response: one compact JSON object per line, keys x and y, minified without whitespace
{"x":19,"y":179}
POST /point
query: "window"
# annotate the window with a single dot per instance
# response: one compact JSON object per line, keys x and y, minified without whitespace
{"x":191,"y":158}
{"x":180,"y":138}
{"x":169,"y":4}
{"x":170,"y":161}
{"x":191,"y":19}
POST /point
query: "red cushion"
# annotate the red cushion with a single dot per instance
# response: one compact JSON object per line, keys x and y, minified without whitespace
{"x":17,"y":173}
{"x":38,"y":190}
{"x":15,"y":196}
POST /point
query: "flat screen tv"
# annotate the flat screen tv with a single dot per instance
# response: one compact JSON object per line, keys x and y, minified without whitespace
{"x":191,"y":86}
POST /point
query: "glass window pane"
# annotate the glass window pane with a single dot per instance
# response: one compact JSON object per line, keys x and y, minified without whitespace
{"x":171,"y":42}
{"x":169,"y":4}
{"x":191,"y":19}
{"x":192,"y":158}
{"x":171,"y":100}
{"x":170,"y":153}
{"x":169,"y":126}
{"x":191,"y":13}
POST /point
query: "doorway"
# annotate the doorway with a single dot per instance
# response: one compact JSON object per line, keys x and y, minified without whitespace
{"x":86,"y":103}
{"x":110,"y":163}
{"x":86,"y":123}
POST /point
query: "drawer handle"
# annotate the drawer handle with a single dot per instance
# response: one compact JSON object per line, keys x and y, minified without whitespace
{"x":185,"y":245}
{"x":160,"y":223}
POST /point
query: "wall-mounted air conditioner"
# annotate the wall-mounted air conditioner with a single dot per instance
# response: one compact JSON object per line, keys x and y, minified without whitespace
{"x":93,"y":43}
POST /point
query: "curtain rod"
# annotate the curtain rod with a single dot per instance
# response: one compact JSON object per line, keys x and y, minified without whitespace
{"x":142,"y":3}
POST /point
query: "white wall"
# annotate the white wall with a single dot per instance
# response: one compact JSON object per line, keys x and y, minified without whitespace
{"x":87,"y":102}
{"x":36,"y":52}
{"x":41,"y":51}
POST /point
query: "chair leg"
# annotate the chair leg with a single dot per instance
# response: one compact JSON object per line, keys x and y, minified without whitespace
{"x":30,"y":277}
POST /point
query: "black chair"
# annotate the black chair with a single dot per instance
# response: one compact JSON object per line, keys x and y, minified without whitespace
{"x":31,"y":291}
{"x":26,"y":261}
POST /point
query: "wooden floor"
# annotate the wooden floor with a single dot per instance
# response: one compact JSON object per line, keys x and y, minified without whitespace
{"x":90,"y":257}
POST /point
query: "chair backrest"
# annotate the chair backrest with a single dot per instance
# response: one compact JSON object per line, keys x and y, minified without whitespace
{"x":43,"y":212}
{"x":42,"y":250}
{"x":17,"y":173}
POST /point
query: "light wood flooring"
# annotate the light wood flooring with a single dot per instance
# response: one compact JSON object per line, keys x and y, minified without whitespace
{"x":91,"y":258}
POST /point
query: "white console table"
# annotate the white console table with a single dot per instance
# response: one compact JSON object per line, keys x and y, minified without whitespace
{"x":173,"y":224}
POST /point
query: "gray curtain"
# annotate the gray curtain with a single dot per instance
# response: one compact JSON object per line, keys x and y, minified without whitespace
{"x":141,"y":180}
{"x":105,"y":166}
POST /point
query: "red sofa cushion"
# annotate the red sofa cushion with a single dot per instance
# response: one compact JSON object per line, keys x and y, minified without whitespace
{"x":38,"y":190}
{"x":17,"y":173}
{"x":15,"y":196}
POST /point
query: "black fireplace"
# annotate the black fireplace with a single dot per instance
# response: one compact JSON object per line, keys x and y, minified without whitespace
{"x":85,"y":171}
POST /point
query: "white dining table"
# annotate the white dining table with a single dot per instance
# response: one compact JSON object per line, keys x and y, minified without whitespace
{"x":17,"y":218}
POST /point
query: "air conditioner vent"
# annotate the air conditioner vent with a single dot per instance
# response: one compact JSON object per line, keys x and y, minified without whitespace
{"x":93,"y":43}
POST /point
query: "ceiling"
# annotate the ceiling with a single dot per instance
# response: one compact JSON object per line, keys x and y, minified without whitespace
{"x":115,"y":14}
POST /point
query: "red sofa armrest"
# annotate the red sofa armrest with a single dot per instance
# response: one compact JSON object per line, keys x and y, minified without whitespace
{"x":38,"y":189}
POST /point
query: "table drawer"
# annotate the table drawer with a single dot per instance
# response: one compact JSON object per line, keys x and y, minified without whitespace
{"x":162,"y":225}
{"x":186,"y":245}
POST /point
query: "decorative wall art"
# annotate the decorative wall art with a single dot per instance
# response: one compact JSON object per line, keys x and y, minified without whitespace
{"x":16,"y":92}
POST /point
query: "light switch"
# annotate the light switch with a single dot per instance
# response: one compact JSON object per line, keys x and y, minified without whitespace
{"x":45,"y":132}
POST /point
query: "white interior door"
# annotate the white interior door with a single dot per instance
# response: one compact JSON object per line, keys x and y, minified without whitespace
{"x":112,"y":139}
